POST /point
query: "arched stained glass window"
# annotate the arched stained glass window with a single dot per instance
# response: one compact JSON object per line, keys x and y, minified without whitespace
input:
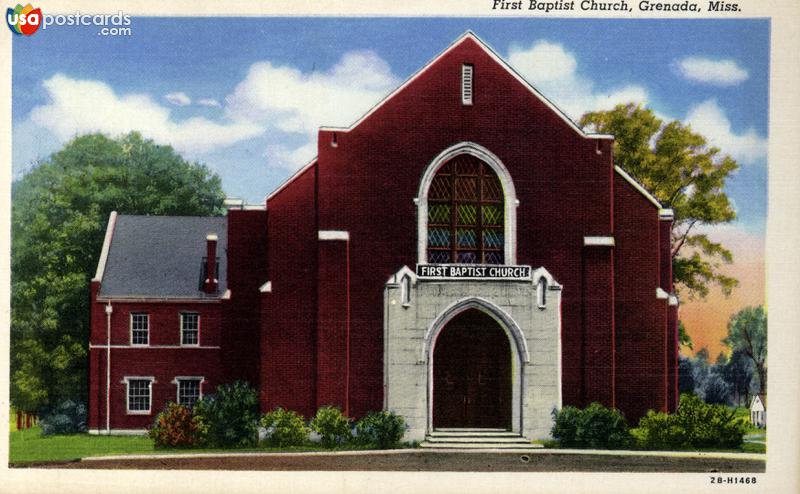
{"x":466,"y":223}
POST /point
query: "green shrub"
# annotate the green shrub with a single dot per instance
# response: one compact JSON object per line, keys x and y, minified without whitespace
{"x":332,"y":426}
{"x":694,"y":425}
{"x":227,"y":419}
{"x":284,"y":428}
{"x":565,"y":426}
{"x":593,"y":427}
{"x":67,"y":418}
{"x":658,"y":430}
{"x":383,"y":430}
{"x":175,"y":427}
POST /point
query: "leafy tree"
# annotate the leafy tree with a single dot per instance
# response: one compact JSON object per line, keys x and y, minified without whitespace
{"x":715,"y":390}
{"x":683,"y":337}
{"x":702,"y":356}
{"x":747,"y":332}
{"x":722,"y":360}
{"x":738,"y":372}
{"x":59,"y":214}
{"x":682,"y":171}
{"x":685,"y":375}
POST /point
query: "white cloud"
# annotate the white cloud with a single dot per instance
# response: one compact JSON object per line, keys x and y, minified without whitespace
{"x":714,"y":72}
{"x":178,"y":99}
{"x":293,"y":101}
{"x":283,"y":157}
{"x":708,"y":119}
{"x":554,"y":72}
{"x":80,"y":106}
{"x":210,"y":102}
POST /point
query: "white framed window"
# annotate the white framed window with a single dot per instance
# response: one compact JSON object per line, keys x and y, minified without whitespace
{"x":140,"y":328}
{"x":138,"y":395}
{"x":466,"y":84}
{"x":190,"y":389}
{"x":190,"y":328}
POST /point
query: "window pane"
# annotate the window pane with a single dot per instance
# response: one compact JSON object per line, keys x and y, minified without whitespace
{"x":467,"y":257}
{"x":439,"y":256}
{"x":190,"y":329}
{"x":139,"y":395}
{"x":466,"y":188}
{"x":467,"y":214}
{"x":492,"y":239}
{"x":439,"y":214}
{"x":139,"y":329}
{"x":439,"y":237}
{"x":493,"y":258}
{"x":188,"y":391}
{"x":467,"y":238}
{"x":492,"y":215}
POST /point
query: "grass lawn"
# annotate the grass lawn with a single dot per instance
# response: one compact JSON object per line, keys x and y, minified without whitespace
{"x":30,"y":446}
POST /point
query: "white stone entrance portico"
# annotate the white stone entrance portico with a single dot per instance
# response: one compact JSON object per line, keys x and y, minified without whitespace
{"x":417,"y":310}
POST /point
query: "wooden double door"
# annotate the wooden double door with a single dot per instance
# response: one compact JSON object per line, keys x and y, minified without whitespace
{"x":472,"y":374}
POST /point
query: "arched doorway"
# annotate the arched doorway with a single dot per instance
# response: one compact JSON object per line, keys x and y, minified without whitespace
{"x":472,"y":374}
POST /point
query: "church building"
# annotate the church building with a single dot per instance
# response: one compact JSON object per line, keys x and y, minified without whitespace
{"x":463,"y":255}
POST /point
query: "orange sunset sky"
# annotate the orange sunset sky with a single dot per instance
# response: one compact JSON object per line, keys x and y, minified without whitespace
{"x":706,"y":320}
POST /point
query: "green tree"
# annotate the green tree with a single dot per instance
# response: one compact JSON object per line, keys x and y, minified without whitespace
{"x":683,"y":337}
{"x":747,"y":332}
{"x":59,"y":214}
{"x":678,"y":167}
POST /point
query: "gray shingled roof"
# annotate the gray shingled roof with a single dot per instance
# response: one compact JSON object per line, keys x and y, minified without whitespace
{"x":162,"y":256}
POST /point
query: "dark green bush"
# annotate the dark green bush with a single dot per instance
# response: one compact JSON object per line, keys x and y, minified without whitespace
{"x":175,"y":427}
{"x":331,"y":425}
{"x":694,"y":425}
{"x":284,"y":428}
{"x":67,"y":418}
{"x":383,"y":430}
{"x":227,"y":419}
{"x":593,"y":427}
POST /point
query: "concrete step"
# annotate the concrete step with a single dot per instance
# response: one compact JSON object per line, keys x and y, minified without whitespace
{"x":481,"y":439}
{"x":481,"y":445}
{"x":473,"y":433}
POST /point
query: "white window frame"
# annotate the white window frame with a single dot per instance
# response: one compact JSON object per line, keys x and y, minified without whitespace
{"x":189,"y":313}
{"x":177,"y":381}
{"x":127,"y":381}
{"x":147,"y":322}
{"x":509,"y":193}
{"x":467,"y":83}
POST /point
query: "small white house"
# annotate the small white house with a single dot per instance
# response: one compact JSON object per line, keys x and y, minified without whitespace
{"x":758,"y":412}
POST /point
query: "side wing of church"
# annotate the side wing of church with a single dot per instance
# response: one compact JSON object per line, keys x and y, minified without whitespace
{"x":463,"y":255}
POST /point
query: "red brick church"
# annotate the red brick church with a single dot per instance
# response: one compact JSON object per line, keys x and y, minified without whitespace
{"x":463,"y":255}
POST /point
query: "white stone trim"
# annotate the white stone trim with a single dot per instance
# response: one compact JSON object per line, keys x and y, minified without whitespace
{"x":117,"y":432}
{"x":159,"y":300}
{"x":227,"y":294}
{"x":666,"y":214}
{"x":598,"y":241}
{"x":661,"y":294}
{"x":333,"y":235}
{"x":101,"y":264}
{"x":509,"y":194}
{"x":155,"y":347}
{"x":398,"y":276}
{"x":673,"y":300}
{"x":503,"y":319}
{"x":266,"y":287}
{"x":650,"y":197}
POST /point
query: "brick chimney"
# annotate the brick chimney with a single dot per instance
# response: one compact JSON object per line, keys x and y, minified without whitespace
{"x":211,"y":283}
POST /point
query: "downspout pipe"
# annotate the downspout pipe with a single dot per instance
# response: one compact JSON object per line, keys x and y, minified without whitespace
{"x":109,"y":310}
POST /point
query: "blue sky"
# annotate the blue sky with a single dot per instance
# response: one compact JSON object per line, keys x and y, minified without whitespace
{"x":245,"y":95}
